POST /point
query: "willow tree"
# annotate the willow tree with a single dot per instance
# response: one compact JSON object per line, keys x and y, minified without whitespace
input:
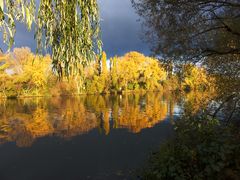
{"x":68,"y":29}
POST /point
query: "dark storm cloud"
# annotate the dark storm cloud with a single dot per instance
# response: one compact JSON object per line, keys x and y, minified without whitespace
{"x":23,"y":38}
{"x":120,"y":30}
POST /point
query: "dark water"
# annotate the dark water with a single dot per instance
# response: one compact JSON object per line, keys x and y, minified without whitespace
{"x":87,"y":137}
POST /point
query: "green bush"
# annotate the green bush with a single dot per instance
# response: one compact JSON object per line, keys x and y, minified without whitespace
{"x":202,"y":149}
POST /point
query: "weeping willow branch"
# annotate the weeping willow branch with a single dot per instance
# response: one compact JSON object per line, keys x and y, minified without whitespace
{"x":69,"y":29}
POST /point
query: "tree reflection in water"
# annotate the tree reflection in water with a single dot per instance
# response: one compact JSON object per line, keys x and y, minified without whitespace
{"x":22,"y":121}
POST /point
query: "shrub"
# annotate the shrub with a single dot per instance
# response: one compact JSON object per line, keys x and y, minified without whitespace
{"x":202,"y":149}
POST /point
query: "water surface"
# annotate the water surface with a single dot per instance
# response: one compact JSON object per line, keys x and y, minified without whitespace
{"x":86,"y":137}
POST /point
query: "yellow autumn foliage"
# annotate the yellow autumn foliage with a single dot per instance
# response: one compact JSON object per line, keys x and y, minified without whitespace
{"x":135,"y":71}
{"x":24,"y":74}
{"x":196,"y":78}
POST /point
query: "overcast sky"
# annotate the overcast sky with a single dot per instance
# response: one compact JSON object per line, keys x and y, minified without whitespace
{"x":120,"y":30}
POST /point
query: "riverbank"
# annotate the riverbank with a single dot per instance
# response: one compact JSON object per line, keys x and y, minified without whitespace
{"x":112,"y":93}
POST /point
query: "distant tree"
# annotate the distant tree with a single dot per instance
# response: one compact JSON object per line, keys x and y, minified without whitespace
{"x":196,"y":78}
{"x":104,"y":64}
{"x":24,"y":74}
{"x":114,"y":72}
{"x":146,"y":73}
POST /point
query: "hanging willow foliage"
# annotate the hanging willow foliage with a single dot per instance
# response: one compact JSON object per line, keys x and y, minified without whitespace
{"x":69,"y":29}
